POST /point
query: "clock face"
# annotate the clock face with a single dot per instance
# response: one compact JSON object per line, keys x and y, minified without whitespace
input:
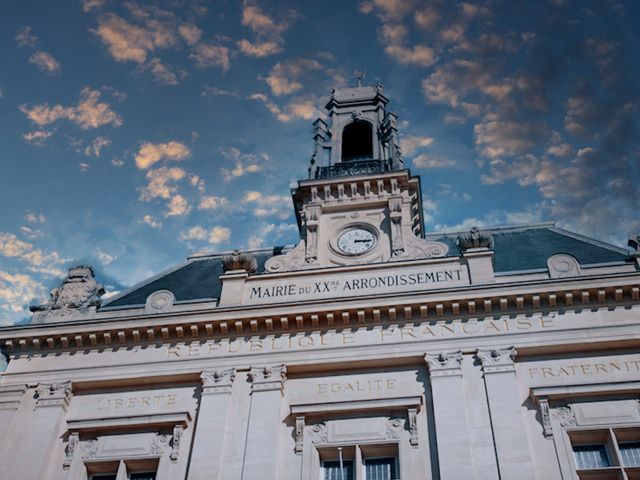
{"x":356,"y":241}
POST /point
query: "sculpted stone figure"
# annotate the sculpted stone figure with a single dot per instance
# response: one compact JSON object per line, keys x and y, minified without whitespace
{"x":78,"y":291}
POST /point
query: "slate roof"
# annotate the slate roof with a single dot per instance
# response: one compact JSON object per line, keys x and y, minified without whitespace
{"x":522,"y":248}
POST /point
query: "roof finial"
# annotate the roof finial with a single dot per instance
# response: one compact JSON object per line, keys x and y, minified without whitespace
{"x":359,"y":74}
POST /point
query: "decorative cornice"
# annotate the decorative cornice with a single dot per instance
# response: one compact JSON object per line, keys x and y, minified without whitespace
{"x":497,"y":359}
{"x":267,"y":377}
{"x":444,"y":364}
{"x":192,"y":326}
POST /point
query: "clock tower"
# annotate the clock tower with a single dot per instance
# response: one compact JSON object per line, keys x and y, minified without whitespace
{"x":360,"y":204}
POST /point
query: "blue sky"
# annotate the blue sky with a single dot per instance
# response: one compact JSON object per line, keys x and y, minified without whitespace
{"x":136,"y":133}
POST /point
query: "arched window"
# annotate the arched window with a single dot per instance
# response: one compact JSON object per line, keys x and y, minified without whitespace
{"x":357,"y":141}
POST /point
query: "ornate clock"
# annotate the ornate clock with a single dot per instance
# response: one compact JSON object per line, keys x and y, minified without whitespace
{"x":356,"y":241}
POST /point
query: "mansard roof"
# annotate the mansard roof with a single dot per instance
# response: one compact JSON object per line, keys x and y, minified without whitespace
{"x":517,"y":249}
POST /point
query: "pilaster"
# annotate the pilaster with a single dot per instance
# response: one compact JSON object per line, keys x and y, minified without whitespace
{"x":507,"y":420}
{"x":480,"y":264}
{"x":38,"y":432}
{"x":10,"y":398}
{"x":210,"y":432}
{"x":261,"y":451}
{"x":452,"y":429}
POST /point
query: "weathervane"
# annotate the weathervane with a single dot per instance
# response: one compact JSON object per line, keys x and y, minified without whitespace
{"x":359,"y":74}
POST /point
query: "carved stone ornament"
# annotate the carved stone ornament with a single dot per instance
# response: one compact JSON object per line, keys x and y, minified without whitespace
{"x":497,"y":360}
{"x":268,"y":377}
{"x":54,"y":394}
{"x":178,"y":430}
{"x":545,"y":417}
{"x":239,"y":261}
{"x":160,"y":443}
{"x":218,"y":381}
{"x":444,"y":363}
{"x":72,"y":444}
{"x":475,"y":239}
{"x":223,"y":375}
{"x":160,"y":301}
{"x":78,"y":291}
{"x":90,"y":449}
{"x":299,"y":434}
{"x":319,"y":434}
{"x":413,"y":427}
{"x":294,"y":259}
{"x":566,"y":416}
{"x":394,"y":428}
{"x":563,"y":266}
{"x":414,"y":248}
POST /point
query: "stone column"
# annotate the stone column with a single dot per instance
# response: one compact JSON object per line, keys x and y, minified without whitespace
{"x":210,"y":430}
{"x":263,"y":433}
{"x":36,"y":450}
{"x":505,"y":409}
{"x":450,"y":418}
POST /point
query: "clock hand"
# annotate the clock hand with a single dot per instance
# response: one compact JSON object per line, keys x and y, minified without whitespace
{"x":362,"y":241}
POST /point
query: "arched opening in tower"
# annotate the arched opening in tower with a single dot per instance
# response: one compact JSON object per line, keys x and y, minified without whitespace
{"x":357,"y":141}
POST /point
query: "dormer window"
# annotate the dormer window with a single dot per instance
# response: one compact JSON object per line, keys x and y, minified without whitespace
{"x":357,"y":141}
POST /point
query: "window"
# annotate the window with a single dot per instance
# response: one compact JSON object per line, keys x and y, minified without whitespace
{"x":360,"y":462}
{"x":591,"y":456}
{"x":134,"y":469}
{"x":332,"y":470}
{"x":606,"y":454}
{"x":380,"y":469}
{"x":630,"y":453}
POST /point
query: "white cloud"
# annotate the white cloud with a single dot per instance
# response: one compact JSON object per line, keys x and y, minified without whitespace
{"x":128,"y":42}
{"x":298,"y":108}
{"x":152,"y":222}
{"x":45,"y":62}
{"x":161,"y":73}
{"x":427,"y":161}
{"x":88,"y":113}
{"x":35,"y":218}
{"x":271,"y":231}
{"x":104,"y":258}
{"x":96,"y":146}
{"x":268,"y":205}
{"x":190,"y":33}
{"x":284,"y":78}
{"x":420,"y":55}
{"x":177,"y":206}
{"x":244,"y":163}
{"x":151,"y":153}
{"x":211,"y":55}
{"x":17,"y":291}
{"x":26,"y":38}
{"x":214,"y":235}
{"x":88,"y":5}
{"x":211,"y":202}
{"x":37,"y":137}
{"x":560,"y":150}
{"x":161,"y":183}
{"x":116,"y":162}
{"x":267,"y":31}
{"x":410,"y":143}
{"x":36,"y":259}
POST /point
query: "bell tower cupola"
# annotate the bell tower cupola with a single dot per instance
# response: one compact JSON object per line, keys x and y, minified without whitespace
{"x":360,"y":136}
{"x":360,"y":204}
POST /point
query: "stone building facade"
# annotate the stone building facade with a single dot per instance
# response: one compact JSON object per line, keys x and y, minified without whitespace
{"x":371,"y":350}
